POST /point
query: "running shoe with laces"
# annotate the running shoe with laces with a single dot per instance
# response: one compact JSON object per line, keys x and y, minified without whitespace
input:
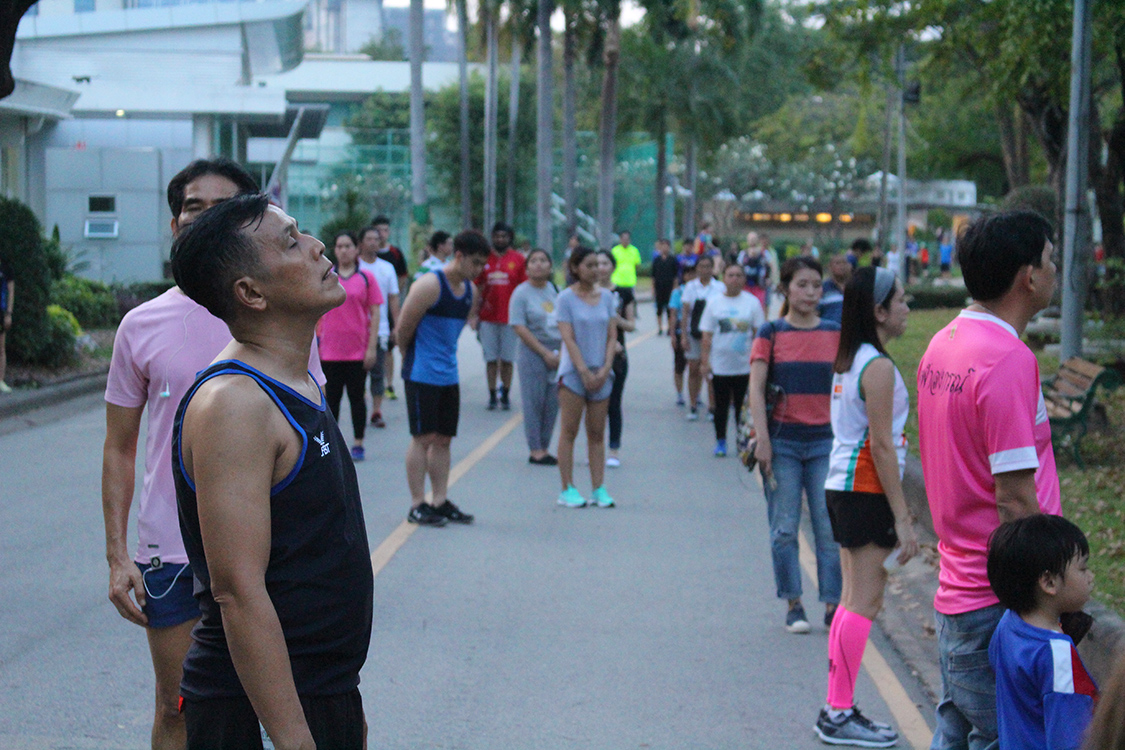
{"x":358,"y":453}
{"x":680,"y":400}
{"x":853,"y":728}
{"x":612,"y":462}
{"x":493,"y":401}
{"x":601,"y":498}
{"x":796,"y":621}
{"x":505,"y":404}
{"x":390,"y":393}
{"x":572,"y":498}
{"x":452,"y":513}
{"x":377,"y":420}
{"x":692,"y":415}
{"x":426,"y":515}
{"x":721,"y":449}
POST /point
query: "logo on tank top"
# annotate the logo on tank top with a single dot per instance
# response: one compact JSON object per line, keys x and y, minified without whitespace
{"x":325,"y":448}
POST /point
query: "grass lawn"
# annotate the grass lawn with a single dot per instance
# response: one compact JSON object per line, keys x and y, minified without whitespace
{"x":1092,"y":498}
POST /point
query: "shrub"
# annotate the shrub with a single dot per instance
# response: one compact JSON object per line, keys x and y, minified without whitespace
{"x":131,"y":295}
{"x":62,"y":331}
{"x":1039,"y":198}
{"x":34,"y":265}
{"x":92,"y":303}
{"x":929,"y":297}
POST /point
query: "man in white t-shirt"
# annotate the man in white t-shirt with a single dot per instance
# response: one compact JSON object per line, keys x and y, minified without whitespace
{"x":158,"y":349}
{"x":985,"y":443}
{"x":387,"y":278}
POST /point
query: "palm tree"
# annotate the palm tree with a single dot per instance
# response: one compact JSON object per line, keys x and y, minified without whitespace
{"x":522,"y":30}
{"x":463,"y":70}
{"x":490,"y":9}
{"x":607,"y":129}
{"x":572,"y":17}
{"x":417,"y":116}
{"x":545,"y":126}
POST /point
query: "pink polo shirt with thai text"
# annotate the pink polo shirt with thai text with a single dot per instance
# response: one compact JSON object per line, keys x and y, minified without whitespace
{"x":980,"y":413}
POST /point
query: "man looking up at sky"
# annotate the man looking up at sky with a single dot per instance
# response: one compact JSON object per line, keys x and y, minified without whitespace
{"x":268,"y":499}
{"x":159,"y":347}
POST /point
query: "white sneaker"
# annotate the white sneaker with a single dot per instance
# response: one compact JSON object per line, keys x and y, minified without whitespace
{"x":612,"y":462}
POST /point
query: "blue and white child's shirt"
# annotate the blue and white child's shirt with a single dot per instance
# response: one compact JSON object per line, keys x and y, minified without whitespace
{"x":1044,"y":695}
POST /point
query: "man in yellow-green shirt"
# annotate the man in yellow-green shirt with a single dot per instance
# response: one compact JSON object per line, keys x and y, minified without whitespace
{"x":627,"y":257}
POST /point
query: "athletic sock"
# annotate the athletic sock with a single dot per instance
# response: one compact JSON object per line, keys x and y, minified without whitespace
{"x":845,"y":654}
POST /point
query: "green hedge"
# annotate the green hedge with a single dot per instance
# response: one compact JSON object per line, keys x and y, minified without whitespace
{"x":35,"y":264}
{"x":929,"y":297}
{"x":93,"y":304}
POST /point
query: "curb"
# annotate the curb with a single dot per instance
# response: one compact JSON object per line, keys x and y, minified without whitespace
{"x":908,"y":614}
{"x":23,"y":401}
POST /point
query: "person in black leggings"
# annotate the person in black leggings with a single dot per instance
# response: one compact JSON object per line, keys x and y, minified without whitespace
{"x":626,"y":305}
{"x":728,"y":324}
{"x":349,"y":338}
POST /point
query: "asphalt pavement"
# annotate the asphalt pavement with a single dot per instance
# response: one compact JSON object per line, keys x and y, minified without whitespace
{"x":649,"y":625}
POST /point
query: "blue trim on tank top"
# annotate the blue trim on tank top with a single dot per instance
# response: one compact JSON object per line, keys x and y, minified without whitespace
{"x":253,"y":375}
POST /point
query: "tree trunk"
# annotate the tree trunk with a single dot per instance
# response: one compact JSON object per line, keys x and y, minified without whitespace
{"x":661,"y":173}
{"x":689,"y":179}
{"x":417,"y":117}
{"x":607,"y":136}
{"x":466,"y":165}
{"x":884,"y":214}
{"x":490,"y":121}
{"x":545,"y":128}
{"x":513,"y":123}
{"x":1013,"y":127}
{"x":570,"y":127}
{"x":1049,"y":123}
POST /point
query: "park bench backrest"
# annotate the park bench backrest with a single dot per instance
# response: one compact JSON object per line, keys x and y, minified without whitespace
{"x":1071,"y":391}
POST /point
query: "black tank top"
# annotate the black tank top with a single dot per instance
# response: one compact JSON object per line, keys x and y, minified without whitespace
{"x":319,"y":573}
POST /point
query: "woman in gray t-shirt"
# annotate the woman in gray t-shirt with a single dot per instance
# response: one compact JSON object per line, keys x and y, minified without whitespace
{"x":587,"y":325}
{"x":532,"y":314}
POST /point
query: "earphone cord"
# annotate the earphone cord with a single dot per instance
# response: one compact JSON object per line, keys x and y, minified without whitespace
{"x":168,"y":365}
{"x":144,"y":579}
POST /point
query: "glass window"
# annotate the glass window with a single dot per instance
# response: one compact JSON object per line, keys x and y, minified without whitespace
{"x":84,"y":6}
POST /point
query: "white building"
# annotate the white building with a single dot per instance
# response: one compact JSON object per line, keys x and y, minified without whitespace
{"x":150,"y":88}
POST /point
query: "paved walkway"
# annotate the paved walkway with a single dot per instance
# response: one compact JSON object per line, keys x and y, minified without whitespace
{"x":653,"y":624}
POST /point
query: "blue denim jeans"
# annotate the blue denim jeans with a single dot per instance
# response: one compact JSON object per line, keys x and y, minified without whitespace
{"x":801,"y":465}
{"x":966,"y":714}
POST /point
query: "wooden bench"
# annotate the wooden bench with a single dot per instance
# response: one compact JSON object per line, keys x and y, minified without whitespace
{"x":1069,"y":397}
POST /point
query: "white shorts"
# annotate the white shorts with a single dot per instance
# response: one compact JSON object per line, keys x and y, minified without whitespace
{"x":498,"y":340}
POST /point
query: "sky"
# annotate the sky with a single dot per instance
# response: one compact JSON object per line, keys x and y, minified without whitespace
{"x":631,"y":12}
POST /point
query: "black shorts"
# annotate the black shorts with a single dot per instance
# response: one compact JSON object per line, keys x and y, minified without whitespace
{"x":861,"y":518}
{"x":432,"y":408}
{"x":335,"y":721}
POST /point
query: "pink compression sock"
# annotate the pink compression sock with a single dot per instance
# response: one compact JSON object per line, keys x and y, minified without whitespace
{"x":846,"y":642}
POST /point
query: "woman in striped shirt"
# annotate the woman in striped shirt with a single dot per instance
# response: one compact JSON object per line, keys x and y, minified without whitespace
{"x":792,"y":361}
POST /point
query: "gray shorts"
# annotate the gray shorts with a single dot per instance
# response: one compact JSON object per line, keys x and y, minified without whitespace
{"x":573,"y":382}
{"x":694,"y":349}
{"x":498,"y":340}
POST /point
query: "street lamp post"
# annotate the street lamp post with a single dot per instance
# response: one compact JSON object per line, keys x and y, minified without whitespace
{"x":1076,"y":224}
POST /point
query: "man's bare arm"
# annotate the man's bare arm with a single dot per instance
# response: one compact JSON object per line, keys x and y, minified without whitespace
{"x":419,"y":299}
{"x":1015,"y":494}
{"x":119,"y":461}
{"x":237,"y":445}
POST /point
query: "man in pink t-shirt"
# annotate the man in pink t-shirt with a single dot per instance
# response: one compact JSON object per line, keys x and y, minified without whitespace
{"x":158,"y":349}
{"x":985,"y":443}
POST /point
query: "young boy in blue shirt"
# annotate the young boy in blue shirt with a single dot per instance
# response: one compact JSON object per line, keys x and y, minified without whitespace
{"x":1044,"y":695}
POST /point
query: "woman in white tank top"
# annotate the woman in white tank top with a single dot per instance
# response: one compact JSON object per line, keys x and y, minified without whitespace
{"x":864,"y":490}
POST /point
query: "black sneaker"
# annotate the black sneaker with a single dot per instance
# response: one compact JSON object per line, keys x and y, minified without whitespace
{"x":504,"y":403}
{"x":493,"y":401}
{"x":426,"y":515}
{"x":451,"y":512}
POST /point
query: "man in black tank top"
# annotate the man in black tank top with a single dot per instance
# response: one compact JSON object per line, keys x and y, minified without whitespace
{"x":268,"y":499}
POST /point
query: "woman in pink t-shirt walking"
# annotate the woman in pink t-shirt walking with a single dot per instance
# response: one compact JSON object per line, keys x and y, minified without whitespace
{"x":349,"y":338}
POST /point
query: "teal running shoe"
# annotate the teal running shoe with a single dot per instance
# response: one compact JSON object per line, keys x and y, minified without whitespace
{"x":601,"y":498}
{"x":572,"y":498}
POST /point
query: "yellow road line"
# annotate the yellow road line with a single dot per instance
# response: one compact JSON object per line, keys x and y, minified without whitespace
{"x":394,"y":541}
{"x":389,"y":546}
{"x":911,"y":724}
